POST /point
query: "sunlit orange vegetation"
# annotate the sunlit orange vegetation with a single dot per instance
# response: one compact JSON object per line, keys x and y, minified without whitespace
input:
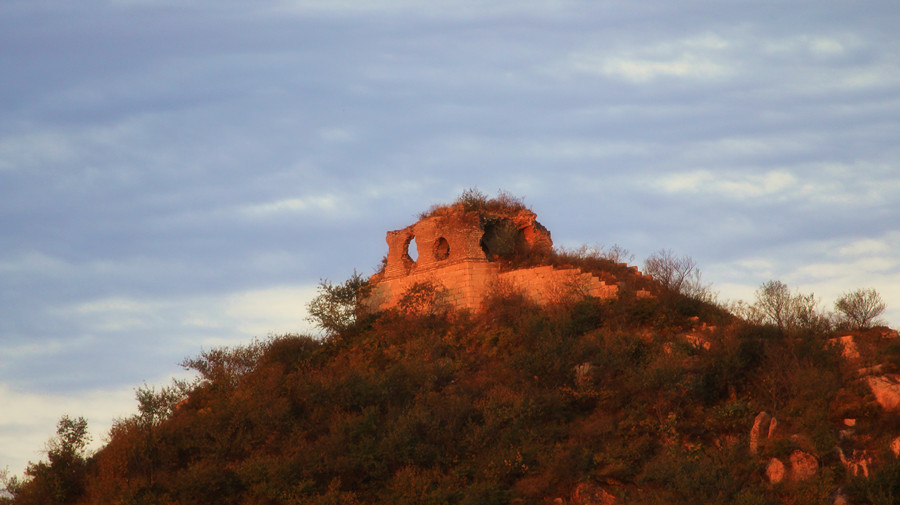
{"x":635,"y":399}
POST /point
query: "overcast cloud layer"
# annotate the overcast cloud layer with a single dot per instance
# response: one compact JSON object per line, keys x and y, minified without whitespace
{"x":180,"y":175}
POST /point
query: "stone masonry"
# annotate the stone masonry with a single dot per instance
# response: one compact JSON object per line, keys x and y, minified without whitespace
{"x":457,"y":252}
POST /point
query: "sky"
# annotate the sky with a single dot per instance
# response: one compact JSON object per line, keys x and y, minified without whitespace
{"x":180,"y":175}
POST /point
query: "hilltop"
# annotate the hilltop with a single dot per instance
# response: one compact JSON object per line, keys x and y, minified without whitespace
{"x":650,"y":394}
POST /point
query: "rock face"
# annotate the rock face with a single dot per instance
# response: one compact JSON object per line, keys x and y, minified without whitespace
{"x":849,"y":350}
{"x":886,"y":389}
{"x":457,"y":251}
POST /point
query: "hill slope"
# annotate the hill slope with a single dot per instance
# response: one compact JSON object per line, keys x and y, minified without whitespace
{"x":647,"y":397}
{"x":595,"y":401}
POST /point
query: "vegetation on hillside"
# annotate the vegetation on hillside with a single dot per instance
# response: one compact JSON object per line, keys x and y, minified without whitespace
{"x":517,"y":404}
{"x":649,"y":399}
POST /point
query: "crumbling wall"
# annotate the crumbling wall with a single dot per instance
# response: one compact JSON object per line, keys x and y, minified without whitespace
{"x":456,"y":252}
{"x":466,"y":284}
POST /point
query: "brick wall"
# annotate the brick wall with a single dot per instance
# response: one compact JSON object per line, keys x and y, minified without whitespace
{"x":466,"y":284}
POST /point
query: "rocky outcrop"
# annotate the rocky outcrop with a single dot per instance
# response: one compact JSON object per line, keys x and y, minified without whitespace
{"x":857,"y":464}
{"x":886,"y":389}
{"x":847,"y":345}
{"x":763,"y":428}
{"x":583,"y":375}
{"x":801,"y":466}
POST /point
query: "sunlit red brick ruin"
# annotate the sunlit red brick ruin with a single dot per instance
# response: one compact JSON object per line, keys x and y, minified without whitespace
{"x":466,"y":254}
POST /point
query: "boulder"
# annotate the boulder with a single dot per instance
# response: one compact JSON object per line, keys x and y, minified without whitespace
{"x":775,"y":471}
{"x":895,"y":446}
{"x":803,"y":465}
{"x":583,"y":374}
{"x":773,"y":426}
{"x":760,"y":431}
{"x":886,"y":389}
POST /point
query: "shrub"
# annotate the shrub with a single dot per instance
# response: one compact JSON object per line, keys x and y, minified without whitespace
{"x":860,"y":309}
{"x":775,"y":304}
{"x":61,"y":479}
{"x":424,"y":298}
{"x":472,"y":199}
{"x":881,"y":488}
{"x":338,"y":306}
{"x":677,"y":274}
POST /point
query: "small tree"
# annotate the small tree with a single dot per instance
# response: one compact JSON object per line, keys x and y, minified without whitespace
{"x":614,"y":253}
{"x":678,"y":274}
{"x":860,"y":309}
{"x":773,"y":303}
{"x":617,"y":254}
{"x":154,"y":407}
{"x":337,"y":306}
{"x":776,"y":304}
{"x":61,"y":479}
{"x":9,"y":487}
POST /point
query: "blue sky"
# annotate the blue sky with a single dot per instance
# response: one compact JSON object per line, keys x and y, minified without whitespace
{"x":176,"y":175}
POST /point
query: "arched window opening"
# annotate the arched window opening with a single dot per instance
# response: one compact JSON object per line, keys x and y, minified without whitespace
{"x":441,"y":249}
{"x":412,"y":250}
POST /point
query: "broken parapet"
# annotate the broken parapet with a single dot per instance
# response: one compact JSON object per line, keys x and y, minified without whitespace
{"x":459,"y":252}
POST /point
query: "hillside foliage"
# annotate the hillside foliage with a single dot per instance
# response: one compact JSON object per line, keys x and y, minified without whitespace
{"x":648,"y":397}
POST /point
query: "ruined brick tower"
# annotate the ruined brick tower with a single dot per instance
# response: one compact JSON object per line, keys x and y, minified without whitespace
{"x":460,"y":252}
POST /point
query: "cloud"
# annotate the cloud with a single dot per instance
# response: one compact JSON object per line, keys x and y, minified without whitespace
{"x":729,"y":186}
{"x":865,"y":247}
{"x":639,"y":71}
{"x":170,"y":329}
{"x":33,"y":262}
{"x":454,"y":9}
{"x":314,"y":203}
{"x":337,"y":134}
{"x":803,"y":189}
{"x":275,"y":310}
{"x":20,"y":152}
{"x":28,"y":420}
{"x":176,"y":175}
{"x":235,"y":315}
{"x":812,"y":45}
{"x":827,"y":268}
{"x":696,"y":58}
